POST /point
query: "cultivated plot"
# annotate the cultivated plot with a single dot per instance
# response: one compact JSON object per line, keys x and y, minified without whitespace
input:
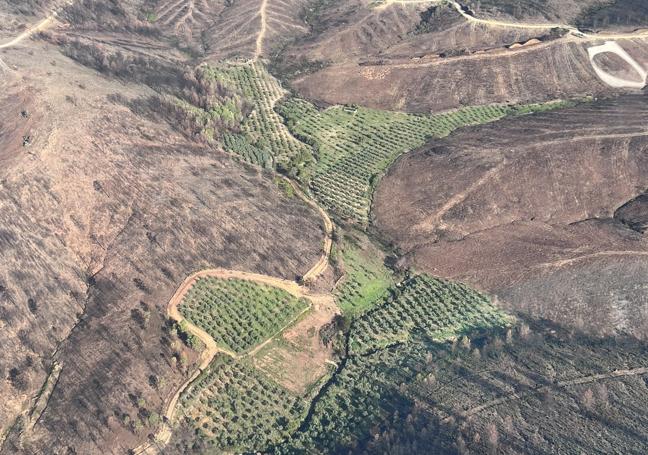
{"x":355,"y":145}
{"x":234,"y":407}
{"x":423,"y":305}
{"x":264,"y":139}
{"x":239,"y":314}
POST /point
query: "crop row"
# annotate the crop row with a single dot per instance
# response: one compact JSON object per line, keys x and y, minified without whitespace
{"x":391,"y":347}
{"x":239,"y":314}
{"x":354,"y":145}
{"x":364,"y":394}
{"x":240,"y":145}
{"x":424,"y":305}
{"x":262,"y":129}
{"x":233,"y":407}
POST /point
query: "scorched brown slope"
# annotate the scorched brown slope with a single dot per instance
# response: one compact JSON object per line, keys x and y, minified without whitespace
{"x":525,"y":209}
{"x":398,"y":58}
{"x":103,"y":215}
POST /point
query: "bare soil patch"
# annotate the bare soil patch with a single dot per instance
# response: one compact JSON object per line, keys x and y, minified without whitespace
{"x":298,"y":358}
{"x":615,"y":65}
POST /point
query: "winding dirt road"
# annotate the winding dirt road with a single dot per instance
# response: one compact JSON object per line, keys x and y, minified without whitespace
{"x":163,"y":435}
{"x":262,"y":31}
{"x":612,"y":47}
{"x":42,"y":25}
{"x":323,"y":262}
{"x":545,"y":26}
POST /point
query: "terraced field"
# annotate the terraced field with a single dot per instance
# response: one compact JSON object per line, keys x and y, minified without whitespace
{"x":234,"y":407}
{"x":340,"y":152}
{"x":234,"y":401}
{"x":118,"y":114}
{"x":239,"y":314}
{"x":239,"y":404}
{"x":354,"y":145}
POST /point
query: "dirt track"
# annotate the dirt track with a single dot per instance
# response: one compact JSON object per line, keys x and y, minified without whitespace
{"x":611,"y":80}
{"x":262,"y":31}
{"x":211,"y":348}
{"x":163,"y":435}
{"x":320,"y":265}
{"x":42,"y":25}
{"x":546,"y":26}
{"x":29,"y":32}
{"x":561,"y":384}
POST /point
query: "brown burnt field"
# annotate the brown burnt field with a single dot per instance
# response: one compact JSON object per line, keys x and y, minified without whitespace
{"x":134,"y":154}
{"x":229,"y":29}
{"x":105,"y":211}
{"x":528,"y":210}
{"x":425,"y":58}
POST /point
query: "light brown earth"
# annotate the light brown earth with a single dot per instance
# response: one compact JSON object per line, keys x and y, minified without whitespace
{"x":253,"y":28}
{"x":298,"y":359}
{"x":555,"y":69}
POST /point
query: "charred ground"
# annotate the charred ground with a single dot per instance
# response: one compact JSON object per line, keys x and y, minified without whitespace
{"x":115,"y":186}
{"x":531,"y":210}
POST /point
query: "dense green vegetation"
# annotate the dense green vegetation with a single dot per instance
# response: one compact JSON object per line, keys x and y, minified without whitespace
{"x":355,"y":145}
{"x":432,"y":367}
{"x":239,"y":314}
{"x":439,"y":309}
{"x":361,"y":396}
{"x":423,"y":396}
{"x":339,"y":152}
{"x":365,"y":280}
{"x":264,"y":139}
{"x":234,"y":407}
{"x":241,"y":145}
{"x":388,"y":347}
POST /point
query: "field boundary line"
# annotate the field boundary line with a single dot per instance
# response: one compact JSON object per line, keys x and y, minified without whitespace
{"x":164,"y":433}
